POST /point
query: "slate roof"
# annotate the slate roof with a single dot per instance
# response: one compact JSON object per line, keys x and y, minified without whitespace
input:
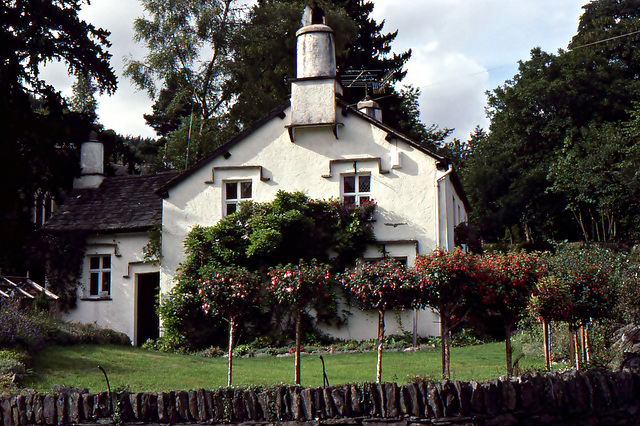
{"x":120,"y":203}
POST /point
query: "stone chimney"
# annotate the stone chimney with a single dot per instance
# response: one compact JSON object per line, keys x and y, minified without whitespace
{"x":371,"y":108}
{"x":313,"y":91}
{"x":91,"y":163}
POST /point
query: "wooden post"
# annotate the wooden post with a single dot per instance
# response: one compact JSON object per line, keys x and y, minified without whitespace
{"x":585,"y":342}
{"x":298,"y":343}
{"x":444,"y":335}
{"x":545,"y":339}
{"x":507,"y":328}
{"x":576,"y":347}
{"x":380,"y":343}
{"x":232,"y":326}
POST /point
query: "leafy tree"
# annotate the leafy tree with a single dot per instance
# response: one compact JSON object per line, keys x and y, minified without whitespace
{"x":550,"y":301}
{"x":179,"y":34}
{"x":448,"y":285}
{"x":83,"y":100}
{"x":585,"y":270}
{"x":506,"y":282}
{"x":539,"y":121}
{"x":382,"y":285}
{"x":297,"y":286}
{"x":228,"y":292}
{"x":37,"y":134}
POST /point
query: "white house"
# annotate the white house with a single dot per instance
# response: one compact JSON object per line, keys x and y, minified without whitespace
{"x":324,"y":148}
{"x":316,"y":144}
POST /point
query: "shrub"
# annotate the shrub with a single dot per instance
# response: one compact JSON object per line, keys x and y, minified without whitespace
{"x":17,"y":328}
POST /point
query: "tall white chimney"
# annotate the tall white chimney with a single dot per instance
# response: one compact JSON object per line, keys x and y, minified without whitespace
{"x":313,"y":91}
{"x":91,"y":163}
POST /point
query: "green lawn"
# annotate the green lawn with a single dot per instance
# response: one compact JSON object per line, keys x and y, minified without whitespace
{"x":138,"y":370}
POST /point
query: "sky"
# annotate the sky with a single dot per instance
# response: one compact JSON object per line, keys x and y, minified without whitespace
{"x":460,"y":50}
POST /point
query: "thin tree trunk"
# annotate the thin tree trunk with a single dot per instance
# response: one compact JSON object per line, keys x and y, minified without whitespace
{"x":232,"y":330}
{"x":545,"y":339}
{"x":581,"y":223}
{"x":380,"y":343}
{"x":596,"y":225}
{"x":576,"y":346}
{"x":508,"y":325}
{"x":298,"y":342}
{"x":444,"y":334}
{"x":585,"y":342}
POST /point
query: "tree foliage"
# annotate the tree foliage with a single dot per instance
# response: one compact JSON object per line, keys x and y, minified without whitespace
{"x":188,"y":43}
{"x":537,"y":173}
{"x":37,"y":133}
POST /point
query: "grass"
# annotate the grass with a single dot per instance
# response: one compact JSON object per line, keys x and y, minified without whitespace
{"x":140,"y":370}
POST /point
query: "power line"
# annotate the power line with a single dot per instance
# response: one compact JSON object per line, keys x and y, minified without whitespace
{"x":606,"y":39}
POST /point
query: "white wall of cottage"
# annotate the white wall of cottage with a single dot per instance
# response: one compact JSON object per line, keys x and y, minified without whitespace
{"x":118,"y":310}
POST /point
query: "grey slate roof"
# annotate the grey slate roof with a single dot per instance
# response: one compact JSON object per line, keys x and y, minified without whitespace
{"x":120,"y":203}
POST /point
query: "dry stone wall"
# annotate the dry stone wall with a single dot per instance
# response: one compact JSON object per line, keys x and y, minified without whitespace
{"x":573,"y":398}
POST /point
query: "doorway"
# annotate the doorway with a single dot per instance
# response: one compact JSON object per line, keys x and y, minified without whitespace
{"x":147,"y":321}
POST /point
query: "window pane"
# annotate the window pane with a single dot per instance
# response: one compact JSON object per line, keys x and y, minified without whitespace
{"x":231,"y":208}
{"x":245,"y":190}
{"x":106,"y":262}
{"x":349,"y":184}
{"x":106,"y":282}
{"x":232,"y":191}
{"x":350,"y":200}
{"x":364,"y":200}
{"x":94,"y":263}
{"x":93,"y":283}
{"x":364,"y":184}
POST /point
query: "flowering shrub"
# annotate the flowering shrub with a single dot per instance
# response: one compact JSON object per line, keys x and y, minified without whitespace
{"x":17,"y":328}
{"x":297,"y":285}
{"x":578,"y":289}
{"x":385,"y":284}
{"x":506,"y":281}
{"x":551,"y":300}
{"x":228,"y":291}
{"x":447,"y":281}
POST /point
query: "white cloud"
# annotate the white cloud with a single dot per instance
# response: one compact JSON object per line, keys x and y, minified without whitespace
{"x":462,"y":48}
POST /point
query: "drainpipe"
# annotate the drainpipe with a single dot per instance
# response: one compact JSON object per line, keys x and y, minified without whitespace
{"x":437,"y":185}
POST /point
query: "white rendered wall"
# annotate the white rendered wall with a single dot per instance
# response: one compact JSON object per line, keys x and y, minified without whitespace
{"x":451,"y":210}
{"x":118,"y":313}
{"x":405,"y":196}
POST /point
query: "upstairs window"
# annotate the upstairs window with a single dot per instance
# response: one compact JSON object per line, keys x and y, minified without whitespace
{"x":234,"y":193}
{"x":356,"y":189}
{"x":100,"y":275}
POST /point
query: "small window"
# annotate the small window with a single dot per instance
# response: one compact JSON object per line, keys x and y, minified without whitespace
{"x":100,"y":275}
{"x":356,"y":189}
{"x":234,"y":193}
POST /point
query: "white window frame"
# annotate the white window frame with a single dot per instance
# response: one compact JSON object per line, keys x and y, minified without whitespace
{"x":102,"y":275}
{"x":226,"y":201}
{"x":358,"y":195}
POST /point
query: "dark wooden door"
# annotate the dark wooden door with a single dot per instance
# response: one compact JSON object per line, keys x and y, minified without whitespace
{"x":147,"y":319}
